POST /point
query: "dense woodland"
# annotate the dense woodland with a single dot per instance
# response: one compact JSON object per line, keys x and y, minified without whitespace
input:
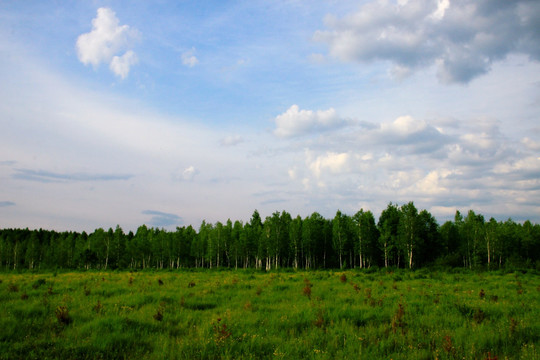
{"x":402,"y":237}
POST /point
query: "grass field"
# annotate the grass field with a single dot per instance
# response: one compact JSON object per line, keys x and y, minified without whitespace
{"x":289,"y":315}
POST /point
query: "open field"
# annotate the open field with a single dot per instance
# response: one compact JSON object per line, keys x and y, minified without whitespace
{"x":289,"y":315}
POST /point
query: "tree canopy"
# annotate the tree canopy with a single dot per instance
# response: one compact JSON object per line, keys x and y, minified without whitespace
{"x":402,"y":237}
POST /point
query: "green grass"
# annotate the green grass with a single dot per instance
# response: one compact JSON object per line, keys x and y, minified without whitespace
{"x":252,"y":315}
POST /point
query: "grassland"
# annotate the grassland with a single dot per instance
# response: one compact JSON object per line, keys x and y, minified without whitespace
{"x":288,"y":315}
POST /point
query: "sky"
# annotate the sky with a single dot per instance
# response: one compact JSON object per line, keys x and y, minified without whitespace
{"x":167,"y":113}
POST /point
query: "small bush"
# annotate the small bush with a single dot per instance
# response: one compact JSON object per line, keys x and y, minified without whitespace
{"x":24,"y":296}
{"x":513,"y":326}
{"x":482,"y":293}
{"x":38,"y":283}
{"x":448,"y":347}
{"x":13,"y":287}
{"x":221,"y":332}
{"x":158,"y":316}
{"x":479,"y":316}
{"x":97,"y":309}
{"x":160,"y":282}
{"x":191,"y":284}
{"x":319,"y":321}
{"x":343,"y":278}
{"x":307,"y":291}
{"x":62,"y":315}
{"x":368,"y":293}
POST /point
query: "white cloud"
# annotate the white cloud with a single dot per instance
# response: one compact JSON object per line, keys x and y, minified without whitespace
{"x":526,"y":166}
{"x":189,"y":59}
{"x":189,"y":173}
{"x":120,"y":65}
{"x":404,"y":125}
{"x":296,"y":122}
{"x":531,"y":144}
{"x":106,"y":41}
{"x":462,"y":38}
{"x":442,"y":6}
{"x":332,"y":162}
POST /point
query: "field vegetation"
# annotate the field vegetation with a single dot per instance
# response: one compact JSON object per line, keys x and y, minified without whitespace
{"x":227,"y":314}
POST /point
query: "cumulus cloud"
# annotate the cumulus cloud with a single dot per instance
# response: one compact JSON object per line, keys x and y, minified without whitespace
{"x":462,"y":38}
{"x":331,"y":162}
{"x":528,"y":167}
{"x":408,"y":134}
{"x":120,"y":65}
{"x":296,"y":122}
{"x":189,"y":59}
{"x":187,"y":174}
{"x":106,"y":41}
{"x":531,"y":144}
{"x":404,"y":126}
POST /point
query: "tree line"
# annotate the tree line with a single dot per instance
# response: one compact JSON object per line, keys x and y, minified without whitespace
{"x":403,"y":237}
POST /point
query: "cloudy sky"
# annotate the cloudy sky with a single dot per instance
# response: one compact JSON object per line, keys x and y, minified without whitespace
{"x":171,"y":112}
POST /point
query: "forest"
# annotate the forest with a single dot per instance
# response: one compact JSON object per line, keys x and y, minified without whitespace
{"x":403,"y":237}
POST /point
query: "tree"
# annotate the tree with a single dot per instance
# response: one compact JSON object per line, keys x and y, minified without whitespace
{"x":491,"y":236}
{"x":295,"y":236}
{"x":254,"y":231}
{"x":408,"y":231}
{"x":32,"y":250}
{"x":430,"y":246}
{"x":366,"y":234}
{"x":473,"y":229}
{"x":388,"y":229}
{"x":340,"y":236}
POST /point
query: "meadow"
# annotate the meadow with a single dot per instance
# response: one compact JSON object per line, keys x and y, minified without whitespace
{"x":226,"y":314}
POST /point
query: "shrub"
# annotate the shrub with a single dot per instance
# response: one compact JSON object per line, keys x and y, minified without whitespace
{"x":98,"y":307}
{"x":38,"y":283}
{"x":513,"y":326}
{"x":13,"y":287}
{"x":479,"y":316}
{"x":62,"y":315}
{"x":221,"y":332}
{"x":158,"y":316}
{"x":307,"y":288}
{"x":319,"y":321}
{"x":448,"y":347}
{"x":343,"y":278}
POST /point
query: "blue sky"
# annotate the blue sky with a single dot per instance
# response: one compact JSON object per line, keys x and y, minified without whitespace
{"x":168,"y":112}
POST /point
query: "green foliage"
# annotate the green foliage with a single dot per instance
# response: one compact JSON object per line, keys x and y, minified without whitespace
{"x":403,"y":237}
